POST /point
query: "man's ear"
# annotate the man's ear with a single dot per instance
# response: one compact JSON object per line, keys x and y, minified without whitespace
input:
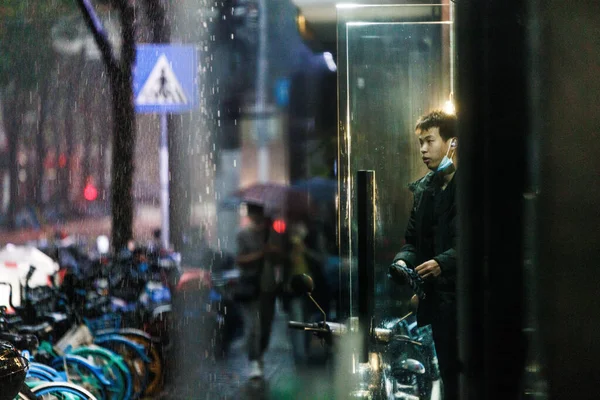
{"x":454,"y":143}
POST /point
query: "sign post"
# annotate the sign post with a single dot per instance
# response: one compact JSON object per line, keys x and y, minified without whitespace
{"x":164,"y":81}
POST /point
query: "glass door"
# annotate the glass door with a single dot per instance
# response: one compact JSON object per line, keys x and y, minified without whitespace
{"x":395,"y":64}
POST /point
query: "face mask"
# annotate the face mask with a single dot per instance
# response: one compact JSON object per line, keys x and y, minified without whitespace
{"x":447,"y":166}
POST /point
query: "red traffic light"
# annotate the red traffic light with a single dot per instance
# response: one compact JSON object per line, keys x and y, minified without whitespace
{"x":90,"y":193}
{"x":279,"y":226}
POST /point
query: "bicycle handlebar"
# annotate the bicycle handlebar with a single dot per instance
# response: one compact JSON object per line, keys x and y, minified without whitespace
{"x":332,"y":328}
{"x":305,"y":325}
{"x":10,"y":294}
{"x":30,"y":273}
{"x":380,"y":335}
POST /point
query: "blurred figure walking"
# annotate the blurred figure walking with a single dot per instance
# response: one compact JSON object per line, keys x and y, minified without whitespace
{"x":257,"y":287}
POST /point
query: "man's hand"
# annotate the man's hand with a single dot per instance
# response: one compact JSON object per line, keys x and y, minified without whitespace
{"x":429,"y":269}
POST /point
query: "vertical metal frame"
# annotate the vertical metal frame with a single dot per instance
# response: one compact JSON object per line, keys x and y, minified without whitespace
{"x":365,"y":210}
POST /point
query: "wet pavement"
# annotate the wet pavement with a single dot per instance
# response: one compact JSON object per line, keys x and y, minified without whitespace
{"x":227,"y":379}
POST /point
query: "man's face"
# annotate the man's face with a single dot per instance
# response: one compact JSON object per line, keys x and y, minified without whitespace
{"x":433,"y":147}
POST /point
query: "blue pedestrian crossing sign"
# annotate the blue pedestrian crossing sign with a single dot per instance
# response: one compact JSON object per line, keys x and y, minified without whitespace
{"x":165,"y":79}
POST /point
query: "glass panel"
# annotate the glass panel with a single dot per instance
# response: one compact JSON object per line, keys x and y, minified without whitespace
{"x":395,"y":64}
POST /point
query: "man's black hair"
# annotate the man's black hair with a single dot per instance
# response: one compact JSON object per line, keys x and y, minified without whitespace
{"x":438,"y":119}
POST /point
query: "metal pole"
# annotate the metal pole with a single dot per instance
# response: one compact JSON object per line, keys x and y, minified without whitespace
{"x":261,"y":93}
{"x":164,"y":180}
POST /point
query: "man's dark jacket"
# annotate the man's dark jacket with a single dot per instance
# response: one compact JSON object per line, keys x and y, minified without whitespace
{"x":431,"y":234}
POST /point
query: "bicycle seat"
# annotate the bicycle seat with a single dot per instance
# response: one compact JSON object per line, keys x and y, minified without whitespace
{"x":42,"y":331}
{"x":55,"y":317}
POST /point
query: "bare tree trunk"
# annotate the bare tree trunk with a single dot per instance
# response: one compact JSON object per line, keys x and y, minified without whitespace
{"x":105,"y":145}
{"x":159,"y":22}
{"x":71,"y":113}
{"x":122,"y":159}
{"x":121,"y":82}
{"x":88,"y":127}
{"x":13,"y":121}
{"x":41,"y":143}
{"x":58,"y":118}
{"x":62,"y":160}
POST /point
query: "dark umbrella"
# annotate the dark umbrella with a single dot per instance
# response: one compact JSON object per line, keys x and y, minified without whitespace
{"x":274,"y":197}
{"x":322,"y":192}
{"x":320,"y":189}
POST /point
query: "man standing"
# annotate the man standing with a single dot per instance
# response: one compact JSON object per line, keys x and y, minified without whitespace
{"x":430,"y":241}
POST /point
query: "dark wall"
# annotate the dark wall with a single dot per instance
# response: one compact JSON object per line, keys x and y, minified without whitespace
{"x":527,"y":94}
{"x":492,"y":99}
{"x":566,"y":120}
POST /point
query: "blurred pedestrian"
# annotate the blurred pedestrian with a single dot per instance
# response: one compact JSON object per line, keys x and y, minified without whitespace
{"x":258,"y":286}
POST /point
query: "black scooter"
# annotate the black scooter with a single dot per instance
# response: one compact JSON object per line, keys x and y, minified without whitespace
{"x":404,"y":360}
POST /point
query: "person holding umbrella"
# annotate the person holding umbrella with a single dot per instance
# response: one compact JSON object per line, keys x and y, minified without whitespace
{"x":258,"y":286}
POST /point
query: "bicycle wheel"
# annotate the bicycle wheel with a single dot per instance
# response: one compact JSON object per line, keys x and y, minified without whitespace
{"x":134,"y":356}
{"x":113,"y":368}
{"x":155,"y":368}
{"x":153,"y":349}
{"x":82,"y":373}
{"x":61,"y":391}
{"x":42,"y":372}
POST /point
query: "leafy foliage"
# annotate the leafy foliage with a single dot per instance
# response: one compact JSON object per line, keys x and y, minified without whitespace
{"x":25,"y":46}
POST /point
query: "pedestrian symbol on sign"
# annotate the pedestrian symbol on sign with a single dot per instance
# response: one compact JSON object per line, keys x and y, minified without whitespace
{"x":162,"y":86}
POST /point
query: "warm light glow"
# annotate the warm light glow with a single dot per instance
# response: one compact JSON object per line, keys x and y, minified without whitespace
{"x":374,"y":361}
{"x":303,"y":27}
{"x":301,"y":23}
{"x":449,"y":107}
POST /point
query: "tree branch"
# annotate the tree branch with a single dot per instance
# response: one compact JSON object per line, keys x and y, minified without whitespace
{"x":157,"y":14}
{"x":128,"y":48}
{"x":98,"y":32}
